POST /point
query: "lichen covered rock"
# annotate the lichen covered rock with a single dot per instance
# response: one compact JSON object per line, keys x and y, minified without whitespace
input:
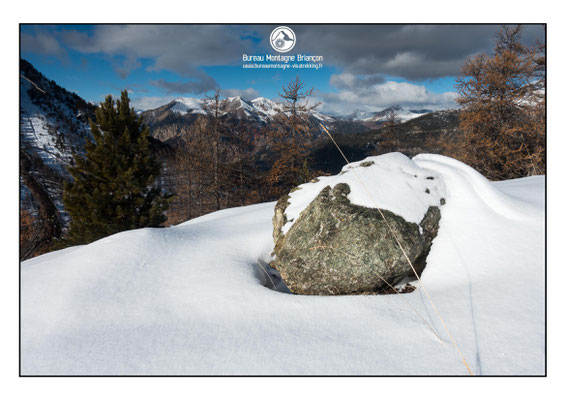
{"x":336,"y":247}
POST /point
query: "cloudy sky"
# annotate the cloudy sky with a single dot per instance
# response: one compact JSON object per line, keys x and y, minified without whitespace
{"x":365,"y":66}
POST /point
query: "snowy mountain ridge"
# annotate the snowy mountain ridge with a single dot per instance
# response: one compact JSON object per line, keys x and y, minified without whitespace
{"x":402,"y":114}
{"x":263,"y":109}
{"x":259,"y":109}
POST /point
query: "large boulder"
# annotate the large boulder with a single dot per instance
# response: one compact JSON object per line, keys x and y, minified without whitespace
{"x":328,"y":245}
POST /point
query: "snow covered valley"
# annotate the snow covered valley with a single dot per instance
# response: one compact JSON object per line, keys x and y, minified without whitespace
{"x":192,"y":299}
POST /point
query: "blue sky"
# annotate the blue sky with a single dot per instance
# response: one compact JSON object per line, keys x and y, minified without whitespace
{"x":365,"y":66}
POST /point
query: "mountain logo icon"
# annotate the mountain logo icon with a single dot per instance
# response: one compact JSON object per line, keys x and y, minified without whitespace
{"x":282,"y":39}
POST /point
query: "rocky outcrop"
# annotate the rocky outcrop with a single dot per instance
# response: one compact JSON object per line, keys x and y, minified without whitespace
{"x":336,"y":247}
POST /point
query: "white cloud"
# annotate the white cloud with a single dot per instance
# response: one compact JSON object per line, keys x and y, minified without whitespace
{"x":246,"y":94}
{"x":384,"y":95}
{"x":403,"y":60}
{"x":150,"y":102}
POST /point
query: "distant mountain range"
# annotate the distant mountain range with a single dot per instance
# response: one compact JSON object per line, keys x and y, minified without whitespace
{"x":401,"y":114}
{"x":167,"y":121}
{"x":260,"y":109}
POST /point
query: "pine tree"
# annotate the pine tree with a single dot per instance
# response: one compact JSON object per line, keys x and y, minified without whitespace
{"x":114,"y":187}
{"x":503,"y":108}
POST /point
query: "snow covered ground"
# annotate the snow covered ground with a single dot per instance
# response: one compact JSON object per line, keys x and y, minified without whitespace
{"x":192,"y":299}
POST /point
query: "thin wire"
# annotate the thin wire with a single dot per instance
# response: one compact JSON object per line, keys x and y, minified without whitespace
{"x":404,"y":254}
{"x":261,"y":266}
{"x":466,"y":269}
{"x":33,"y":83}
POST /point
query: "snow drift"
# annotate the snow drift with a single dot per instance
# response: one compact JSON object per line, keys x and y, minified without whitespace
{"x":192,"y":299}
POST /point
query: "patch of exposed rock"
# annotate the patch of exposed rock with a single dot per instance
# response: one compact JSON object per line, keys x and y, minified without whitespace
{"x":336,"y":247}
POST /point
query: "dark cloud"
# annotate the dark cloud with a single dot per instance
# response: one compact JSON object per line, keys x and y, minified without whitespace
{"x":414,"y":52}
{"x":177,"y":48}
{"x":43,"y":43}
{"x":200,"y":85}
{"x":348,"y":80}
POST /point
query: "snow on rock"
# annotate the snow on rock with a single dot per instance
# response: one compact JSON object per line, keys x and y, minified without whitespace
{"x":266,"y":106}
{"x":391,"y":181}
{"x":191,"y":299}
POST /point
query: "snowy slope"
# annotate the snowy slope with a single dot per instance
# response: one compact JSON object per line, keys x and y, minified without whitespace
{"x":53,"y":126}
{"x":53,"y":129}
{"x":191,"y":299}
{"x":268,"y":107}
